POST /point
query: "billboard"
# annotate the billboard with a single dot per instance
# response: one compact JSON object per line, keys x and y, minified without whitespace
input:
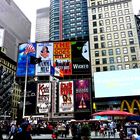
{"x":117,"y":83}
{"x":82,"y":95}
{"x":21,"y":61}
{"x":62,"y":57}
{"x":80,"y":57}
{"x":66,"y":102}
{"x":45,"y":52}
{"x":43,"y":97}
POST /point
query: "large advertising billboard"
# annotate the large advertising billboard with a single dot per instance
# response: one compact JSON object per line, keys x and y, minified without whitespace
{"x":82,"y":95}
{"x":22,"y":59}
{"x":80,"y":57}
{"x":45,"y":52}
{"x":117,"y":83}
{"x":43,"y":97}
{"x":66,"y":102}
{"x":62,"y":57}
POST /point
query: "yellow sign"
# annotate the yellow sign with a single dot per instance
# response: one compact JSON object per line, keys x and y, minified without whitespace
{"x":130,"y":106}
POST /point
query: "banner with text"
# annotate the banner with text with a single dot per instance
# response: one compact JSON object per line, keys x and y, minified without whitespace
{"x":66,"y":102}
{"x":43,"y":97}
{"x":62,"y":57}
{"x":45,"y":52}
{"x":82,"y":95}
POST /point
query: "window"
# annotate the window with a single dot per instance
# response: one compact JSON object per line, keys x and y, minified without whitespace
{"x":105,"y":68}
{"x":94,"y":24}
{"x":98,"y":69}
{"x":109,"y":37}
{"x":104,"y":60}
{"x":106,"y":14}
{"x":130,"y":33}
{"x":100,"y":16}
{"x":119,"y":59}
{"x":112,"y":67}
{"x":126,"y":4}
{"x":132,"y":49}
{"x":112,"y":7}
{"x":133,"y":57}
{"x":119,"y":67}
{"x":93,"y":10}
{"x":99,"y":9}
{"x":111,"y":60}
{"x":116,"y":43}
{"x":119,"y":6}
{"x":116,"y":35}
{"x":114,"y":20}
{"x":110,"y":44}
{"x":120,"y":12}
{"x":101,"y":30}
{"x":131,"y":41}
{"x":93,"y":17}
{"x":106,"y":8}
{"x":123,"y":35}
{"x":135,"y":65}
{"x":96,"y":53}
{"x":102,"y":37}
{"x":128,"y":25}
{"x":115,"y":28}
{"x":126,"y":11}
{"x":125,"y":50}
{"x":96,"y":46}
{"x":95,"y":38}
{"x":127,"y":18}
{"x":124,"y":42}
{"x":101,"y":23}
{"x":121,"y":19}
{"x":118,"y":51}
{"x":103,"y":52}
{"x":95,"y":31}
{"x":103,"y":45}
{"x":105,"y":1}
{"x":113,"y":14}
{"x":97,"y":61}
{"x":127,"y":66}
{"x":121,"y":26}
{"x":126,"y":59}
{"x":108,"y":29}
{"x":110,"y":51}
{"x":107,"y":22}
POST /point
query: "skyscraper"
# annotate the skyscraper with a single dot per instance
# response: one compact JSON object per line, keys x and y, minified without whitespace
{"x":42,"y":24}
{"x":68,"y":19}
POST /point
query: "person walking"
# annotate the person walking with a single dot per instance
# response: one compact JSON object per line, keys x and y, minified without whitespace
{"x":12,"y":131}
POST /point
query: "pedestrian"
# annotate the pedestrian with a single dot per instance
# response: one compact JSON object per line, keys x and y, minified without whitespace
{"x":12,"y":131}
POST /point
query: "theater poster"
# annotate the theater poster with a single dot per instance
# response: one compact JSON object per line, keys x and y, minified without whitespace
{"x":21,"y":61}
{"x":66,"y":102}
{"x":45,"y":52}
{"x":80,"y":57}
{"x":82,"y":95}
{"x":62,"y":57}
{"x":43,"y":97}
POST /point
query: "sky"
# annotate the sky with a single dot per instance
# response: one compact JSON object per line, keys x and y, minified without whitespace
{"x":29,"y":7}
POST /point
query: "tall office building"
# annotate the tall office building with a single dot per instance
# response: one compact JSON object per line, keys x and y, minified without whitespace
{"x":42,"y":24}
{"x":14,"y":28}
{"x":68,"y":19}
{"x":114,"y":47}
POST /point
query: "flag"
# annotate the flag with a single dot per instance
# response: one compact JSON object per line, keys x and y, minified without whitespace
{"x":34,"y":60}
{"x":29,"y":48}
{"x":53,"y":79}
{"x":56,"y":72}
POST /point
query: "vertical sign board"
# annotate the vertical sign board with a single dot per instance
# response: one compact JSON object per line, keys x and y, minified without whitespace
{"x":82,"y":95}
{"x":80,"y":57}
{"x":21,"y":61}
{"x":62,"y":57}
{"x":66,"y":102}
{"x":45,"y":52}
{"x":43,"y":97}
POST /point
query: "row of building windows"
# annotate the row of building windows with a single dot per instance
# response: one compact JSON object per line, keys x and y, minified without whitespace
{"x":116,"y":67}
{"x":112,"y":60}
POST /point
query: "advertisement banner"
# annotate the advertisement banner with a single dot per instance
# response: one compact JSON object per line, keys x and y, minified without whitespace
{"x":21,"y":61}
{"x":80,"y":58}
{"x":66,"y":102}
{"x":82,"y":95}
{"x":62,"y":57}
{"x":43,"y":97}
{"x":45,"y":52}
